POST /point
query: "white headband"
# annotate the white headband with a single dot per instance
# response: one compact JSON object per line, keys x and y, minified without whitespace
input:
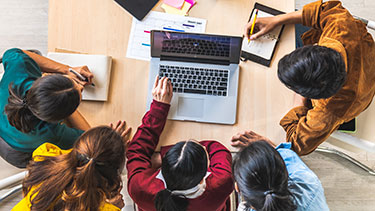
{"x":191,"y":193}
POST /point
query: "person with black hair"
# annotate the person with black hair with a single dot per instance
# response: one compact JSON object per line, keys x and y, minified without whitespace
{"x":193,"y":175}
{"x":33,"y":107}
{"x":332,"y":75}
{"x":270,"y":178}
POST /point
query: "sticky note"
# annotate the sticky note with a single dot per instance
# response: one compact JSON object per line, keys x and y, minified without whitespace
{"x":192,"y":2}
{"x":171,"y":10}
{"x":174,"y":3}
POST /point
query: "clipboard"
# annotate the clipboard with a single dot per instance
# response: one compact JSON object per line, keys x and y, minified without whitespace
{"x":262,"y":49}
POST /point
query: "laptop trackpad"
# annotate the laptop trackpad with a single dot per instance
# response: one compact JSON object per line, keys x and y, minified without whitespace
{"x":191,"y":107}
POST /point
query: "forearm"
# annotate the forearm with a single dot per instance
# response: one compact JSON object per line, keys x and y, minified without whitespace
{"x":76,"y":120}
{"x":290,"y":18}
{"x":47,"y":65}
{"x":145,"y":140}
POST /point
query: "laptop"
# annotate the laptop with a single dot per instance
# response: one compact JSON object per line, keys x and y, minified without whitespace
{"x":204,"y":72}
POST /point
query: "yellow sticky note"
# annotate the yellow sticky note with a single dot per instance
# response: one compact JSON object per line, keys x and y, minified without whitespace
{"x":171,"y":10}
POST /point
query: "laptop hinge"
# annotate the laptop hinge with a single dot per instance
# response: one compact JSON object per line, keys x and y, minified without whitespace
{"x":195,"y":60}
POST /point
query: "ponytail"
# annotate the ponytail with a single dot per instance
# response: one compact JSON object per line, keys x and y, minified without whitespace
{"x":262,"y":178}
{"x":51,"y":98}
{"x":76,"y":181}
{"x":167,"y":201}
{"x":183,"y":167}
{"x":18,"y":112}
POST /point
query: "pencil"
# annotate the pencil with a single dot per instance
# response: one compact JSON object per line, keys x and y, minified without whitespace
{"x":82,"y":78}
{"x":253,"y":25}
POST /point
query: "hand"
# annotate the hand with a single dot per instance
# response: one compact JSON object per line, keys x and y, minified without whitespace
{"x":262,"y":27}
{"x":120,"y":128}
{"x":242,"y":140}
{"x":118,"y":201}
{"x":156,"y":160}
{"x":85,"y":72}
{"x":162,"y":90}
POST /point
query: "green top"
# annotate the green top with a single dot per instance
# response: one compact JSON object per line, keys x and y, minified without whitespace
{"x":20,"y":69}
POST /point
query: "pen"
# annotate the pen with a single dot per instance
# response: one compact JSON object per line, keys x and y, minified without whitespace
{"x":252,"y":26}
{"x":80,"y":76}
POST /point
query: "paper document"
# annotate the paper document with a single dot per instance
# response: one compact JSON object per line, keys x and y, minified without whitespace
{"x":139,"y":39}
{"x":263,"y":46}
{"x":99,"y":65}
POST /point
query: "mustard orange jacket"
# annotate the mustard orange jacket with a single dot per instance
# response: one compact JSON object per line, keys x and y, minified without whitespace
{"x":334,"y":27}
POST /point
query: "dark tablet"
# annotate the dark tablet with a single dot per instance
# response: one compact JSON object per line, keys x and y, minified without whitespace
{"x":138,"y":8}
{"x":258,"y":57}
{"x":348,"y":127}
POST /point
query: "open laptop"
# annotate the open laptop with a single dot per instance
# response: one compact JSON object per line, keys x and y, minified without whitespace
{"x":204,"y":73}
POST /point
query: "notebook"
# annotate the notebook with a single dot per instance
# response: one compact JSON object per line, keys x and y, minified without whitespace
{"x":138,"y":8}
{"x":99,"y":65}
{"x":262,"y":49}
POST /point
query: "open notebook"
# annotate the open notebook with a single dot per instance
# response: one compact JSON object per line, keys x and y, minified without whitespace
{"x":99,"y":65}
{"x":262,"y":49}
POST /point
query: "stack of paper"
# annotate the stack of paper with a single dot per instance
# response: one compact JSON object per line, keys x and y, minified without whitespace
{"x":178,"y":7}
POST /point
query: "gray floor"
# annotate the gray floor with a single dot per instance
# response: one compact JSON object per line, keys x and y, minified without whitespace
{"x":24,"y":25}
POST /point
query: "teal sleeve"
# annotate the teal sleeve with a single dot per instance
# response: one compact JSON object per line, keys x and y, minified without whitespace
{"x":67,"y":136}
{"x":19,"y":69}
{"x":16,"y":60}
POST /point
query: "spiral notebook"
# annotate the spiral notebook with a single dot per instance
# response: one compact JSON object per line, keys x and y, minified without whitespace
{"x":262,"y":49}
{"x":99,"y":65}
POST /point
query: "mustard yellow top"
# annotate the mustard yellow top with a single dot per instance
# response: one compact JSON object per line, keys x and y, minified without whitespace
{"x":48,"y":149}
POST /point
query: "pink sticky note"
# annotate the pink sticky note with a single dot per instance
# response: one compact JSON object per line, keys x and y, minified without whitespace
{"x":191,"y":2}
{"x":174,"y":3}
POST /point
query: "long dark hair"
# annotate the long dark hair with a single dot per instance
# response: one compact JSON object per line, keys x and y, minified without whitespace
{"x":51,"y":99}
{"x":262,"y":178}
{"x":81,"y":179}
{"x":183,"y":167}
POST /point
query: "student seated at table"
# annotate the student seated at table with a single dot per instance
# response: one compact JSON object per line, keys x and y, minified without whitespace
{"x":336,"y":70}
{"x":32,"y":107}
{"x":193,"y":175}
{"x":86,"y":177}
{"x":270,"y":178}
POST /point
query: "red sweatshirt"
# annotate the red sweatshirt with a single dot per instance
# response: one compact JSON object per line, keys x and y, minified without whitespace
{"x":142,"y":182}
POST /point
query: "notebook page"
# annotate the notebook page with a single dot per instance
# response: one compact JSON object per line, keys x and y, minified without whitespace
{"x":263,"y":46}
{"x":99,"y":65}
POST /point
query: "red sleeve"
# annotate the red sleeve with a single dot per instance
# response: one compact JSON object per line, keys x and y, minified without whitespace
{"x":221,"y":182}
{"x":146,"y":139}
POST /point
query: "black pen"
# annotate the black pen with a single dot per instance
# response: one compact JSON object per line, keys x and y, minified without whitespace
{"x":81,"y":77}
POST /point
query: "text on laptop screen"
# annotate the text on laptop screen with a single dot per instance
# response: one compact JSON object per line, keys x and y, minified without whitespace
{"x":196,"y":46}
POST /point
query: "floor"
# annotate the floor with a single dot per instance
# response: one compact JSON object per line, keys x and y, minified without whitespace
{"x":347,"y":187}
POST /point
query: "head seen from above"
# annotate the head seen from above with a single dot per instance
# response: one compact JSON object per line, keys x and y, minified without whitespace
{"x":51,"y":98}
{"x":314,"y":72}
{"x":83,"y":178}
{"x":262,"y":178}
{"x":183,"y":167}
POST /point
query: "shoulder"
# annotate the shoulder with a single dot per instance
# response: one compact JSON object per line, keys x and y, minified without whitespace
{"x":16,"y":60}
{"x":48,"y":149}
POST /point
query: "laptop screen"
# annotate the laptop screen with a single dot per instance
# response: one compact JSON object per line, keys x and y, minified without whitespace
{"x":198,"y":46}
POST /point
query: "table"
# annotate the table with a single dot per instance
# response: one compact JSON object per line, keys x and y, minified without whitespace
{"x":103,"y":27}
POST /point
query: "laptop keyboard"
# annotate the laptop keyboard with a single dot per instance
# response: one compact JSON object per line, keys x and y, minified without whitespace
{"x":206,"y":81}
{"x":213,"y":46}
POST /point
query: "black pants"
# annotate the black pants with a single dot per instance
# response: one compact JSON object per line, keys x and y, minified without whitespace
{"x":14,"y":157}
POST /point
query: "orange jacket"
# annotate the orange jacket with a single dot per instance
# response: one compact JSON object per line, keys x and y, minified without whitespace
{"x":334,"y":27}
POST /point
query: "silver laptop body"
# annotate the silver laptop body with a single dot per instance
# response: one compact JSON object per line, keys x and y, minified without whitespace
{"x":204,"y":73}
